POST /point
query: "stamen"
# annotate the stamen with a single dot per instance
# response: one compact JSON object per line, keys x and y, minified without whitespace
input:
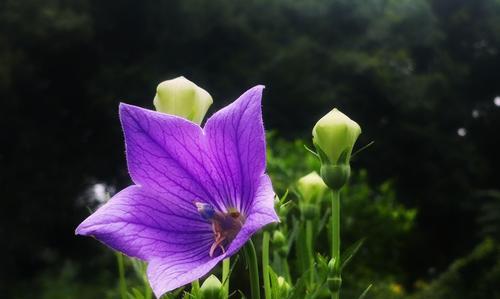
{"x":225,"y":226}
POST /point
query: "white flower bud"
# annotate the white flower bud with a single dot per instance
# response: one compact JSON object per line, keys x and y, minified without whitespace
{"x":334,"y":134}
{"x":183,"y":98}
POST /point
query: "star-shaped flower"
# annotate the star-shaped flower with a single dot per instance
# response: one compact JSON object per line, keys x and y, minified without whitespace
{"x":198,"y":195}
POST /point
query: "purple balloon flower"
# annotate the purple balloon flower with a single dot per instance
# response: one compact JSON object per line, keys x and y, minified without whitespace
{"x":199,"y":193}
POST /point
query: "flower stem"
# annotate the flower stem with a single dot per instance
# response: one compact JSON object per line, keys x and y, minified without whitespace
{"x":226,"y":264}
{"x":265,"y":265}
{"x":121,"y":273}
{"x":336,"y":236}
{"x":309,"y":247}
{"x":253,"y":269}
{"x":286,"y":270}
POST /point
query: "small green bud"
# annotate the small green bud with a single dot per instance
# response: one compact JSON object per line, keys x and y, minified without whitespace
{"x":335,"y":133}
{"x":311,"y":187}
{"x":279,"y":241}
{"x":332,"y":267}
{"x":211,"y":288}
{"x":334,"y":280}
{"x":279,"y":238}
{"x":183,"y":98}
{"x":283,"y":287}
{"x":335,"y":176}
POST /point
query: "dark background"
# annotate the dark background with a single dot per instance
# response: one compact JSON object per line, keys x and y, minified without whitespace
{"x":416,"y":75}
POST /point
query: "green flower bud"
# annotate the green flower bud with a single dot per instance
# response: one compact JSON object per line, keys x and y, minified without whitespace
{"x":279,"y":238}
{"x":332,"y":267}
{"x":183,"y":98}
{"x":311,"y":187}
{"x":334,"y":280}
{"x":280,"y":243}
{"x":283,"y":287}
{"x":333,"y":135}
{"x":211,"y":288}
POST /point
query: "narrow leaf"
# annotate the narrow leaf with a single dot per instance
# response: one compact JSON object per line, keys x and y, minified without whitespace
{"x":274,"y":283}
{"x":349,"y":253}
{"x":363,"y":295}
{"x":362,"y":148}
{"x":311,"y":151}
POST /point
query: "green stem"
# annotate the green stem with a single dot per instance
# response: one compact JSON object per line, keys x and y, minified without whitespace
{"x":336,"y":227}
{"x":226,"y":264}
{"x":265,"y":265}
{"x":286,"y":270}
{"x":121,"y":273}
{"x":336,"y":234}
{"x":253,"y":268}
{"x":309,"y":247}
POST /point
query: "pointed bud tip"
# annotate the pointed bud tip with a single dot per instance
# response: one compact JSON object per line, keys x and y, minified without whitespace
{"x":211,"y":288}
{"x":335,"y":133}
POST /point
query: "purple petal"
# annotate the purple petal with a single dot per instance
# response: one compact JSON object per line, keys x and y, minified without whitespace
{"x":148,"y":226}
{"x":262,"y":213}
{"x":169,"y":273}
{"x":166,"y":274}
{"x":165,"y":154}
{"x":236,"y":141}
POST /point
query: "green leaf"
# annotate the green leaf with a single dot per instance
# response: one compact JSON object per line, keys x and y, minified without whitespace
{"x":322,"y":155}
{"x":137,"y":294}
{"x":312,"y":152}
{"x":343,"y":156}
{"x":283,"y":197}
{"x":274,"y":283}
{"x":294,"y":233}
{"x":322,"y":223}
{"x":363,"y":295}
{"x":242,"y":294}
{"x":362,"y":148}
{"x":349,"y":253}
{"x":299,"y":291}
{"x":322,"y":265}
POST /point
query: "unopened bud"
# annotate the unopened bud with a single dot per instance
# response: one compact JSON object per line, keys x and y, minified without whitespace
{"x":311,"y":187}
{"x":183,"y":98}
{"x":283,"y":287}
{"x":334,"y":134}
{"x":211,"y":288}
{"x":278,"y":238}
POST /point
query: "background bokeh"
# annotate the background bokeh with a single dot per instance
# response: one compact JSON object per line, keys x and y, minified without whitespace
{"x":420,"y":76}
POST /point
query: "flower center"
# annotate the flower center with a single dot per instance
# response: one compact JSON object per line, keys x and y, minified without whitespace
{"x":225,"y":226}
